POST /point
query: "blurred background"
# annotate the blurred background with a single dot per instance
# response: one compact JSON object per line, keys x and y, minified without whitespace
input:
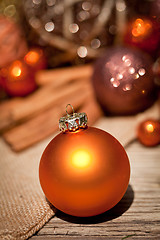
{"x":101,"y":56}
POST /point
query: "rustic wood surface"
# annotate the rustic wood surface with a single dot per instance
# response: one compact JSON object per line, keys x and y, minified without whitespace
{"x":136,"y":216}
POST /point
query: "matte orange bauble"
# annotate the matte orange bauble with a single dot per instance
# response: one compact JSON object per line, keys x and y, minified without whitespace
{"x":148,"y":132}
{"x":84,"y":171}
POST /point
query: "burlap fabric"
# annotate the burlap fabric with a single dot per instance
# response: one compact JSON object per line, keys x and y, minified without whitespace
{"x":23,"y":207}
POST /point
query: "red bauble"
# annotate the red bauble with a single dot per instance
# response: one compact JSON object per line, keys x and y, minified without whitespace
{"x":123,"y":81}
{"x":84,"y":173}
{"x":12,"y":43}
{"x":143,"y":33}
{"x":36,"y":59}
{"x":148,"y":132}
{"x":18,"y":79}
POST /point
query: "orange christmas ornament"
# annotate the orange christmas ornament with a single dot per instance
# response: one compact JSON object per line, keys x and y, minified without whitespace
{"x":18,"y":79}
{"x":84,"y":171}
{"x":148,"y":132}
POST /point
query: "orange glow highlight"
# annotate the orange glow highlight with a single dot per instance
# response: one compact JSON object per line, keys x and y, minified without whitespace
{"x":32,"y":57}
{"x":141,"y":27}
{"x":150,"y":127}
{"x":81,"y":159}
{"x":16,"y":71}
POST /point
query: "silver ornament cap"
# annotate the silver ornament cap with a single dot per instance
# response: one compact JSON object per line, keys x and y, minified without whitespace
{"x":72,"y":122}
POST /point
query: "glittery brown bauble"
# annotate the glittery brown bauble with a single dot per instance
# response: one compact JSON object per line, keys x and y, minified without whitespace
{"x":12,"y":44}
{"x":123,"y":81}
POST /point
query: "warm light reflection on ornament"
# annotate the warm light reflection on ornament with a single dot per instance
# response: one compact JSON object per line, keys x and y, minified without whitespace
{"x":16,"y":69}
{"x":32,"y":57}
{"x":141,"y":27}
{"x":119,"y":76}
{"x":150,"y":127}
{"x":124,"y":58}
{"x":136,"y":76}
{"x":81,"y":159}
{"x":131,"y":70}
{"x":127,"y":87}
{"x":127,"y":62}
{"x":112,"y":80}
{"x":148,"y":132}
{"x":116,"y":83}
{"x":141,"y":71}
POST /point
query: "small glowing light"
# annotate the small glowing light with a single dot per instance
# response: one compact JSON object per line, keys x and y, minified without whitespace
{"x":149,"y":127}
{"x":82,"y":52}
{"x":127,"y":87}
{"x":73,"y":27}
{"x":143,"y":91}
{"x":124,"y":58}
{"x":119,"y":76}
{"x":58,"y":9}
{"x":120,"y":6}
{"x":16,"y":71}
{"x":113,"y":29}
{"x":141,"y":71}
{"x":32,"y":57}
{"x":81,"y":159}
{"x":127,"y":62}
{"x":50,"y":2}
{"x":35,"y":22}
{"x":95,"y":10}
{"x":141,"y":27}
{"x":49,"y":26}
{"x":10,"y":11}
{"x":37,"y":1}
{"x":86,"y":6}
{"x":112,"y":80}
{"x":131,"y":70}
{"x":83,"y":15}
{"x":95,"y":43}
{"x":115,"y":83}
{"x":136,"y":76}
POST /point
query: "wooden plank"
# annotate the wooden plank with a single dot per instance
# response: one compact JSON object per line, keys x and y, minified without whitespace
{"x":136,"y":216}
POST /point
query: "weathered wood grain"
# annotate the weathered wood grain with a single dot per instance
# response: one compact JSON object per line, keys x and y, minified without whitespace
{"x":136,"y":216}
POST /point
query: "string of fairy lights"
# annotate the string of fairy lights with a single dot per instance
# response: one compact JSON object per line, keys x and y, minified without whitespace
{"x":70,"y":26}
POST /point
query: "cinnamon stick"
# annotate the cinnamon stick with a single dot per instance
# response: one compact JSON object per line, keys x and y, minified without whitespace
{"x":45,"y":123}
{"x":5,"y":109}
{"x":64,"y":75}
{"x":20,"y":111}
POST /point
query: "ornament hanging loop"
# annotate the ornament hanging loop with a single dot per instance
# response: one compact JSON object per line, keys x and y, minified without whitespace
{"x":72,"y":122}
{"x":71,"y":107}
